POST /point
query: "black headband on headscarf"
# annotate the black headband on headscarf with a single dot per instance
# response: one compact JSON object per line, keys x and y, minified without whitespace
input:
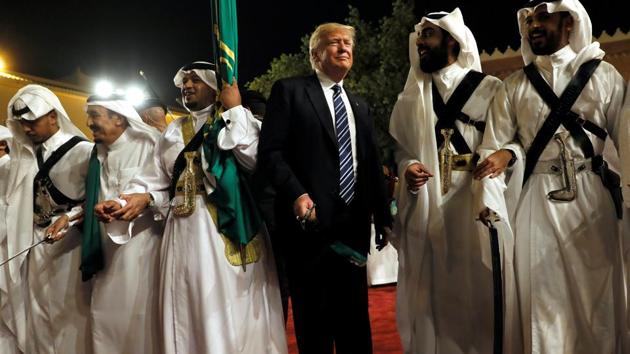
{"x":19,"y":112}
{"x":435,"y":15}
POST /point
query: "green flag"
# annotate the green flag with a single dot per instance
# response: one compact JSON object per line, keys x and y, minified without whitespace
{"x":92,"y":257}
{"x":238,"y":216}
{"x":225,"y":43}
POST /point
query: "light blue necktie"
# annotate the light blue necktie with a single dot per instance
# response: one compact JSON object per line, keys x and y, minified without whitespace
{"x":346,"y":171}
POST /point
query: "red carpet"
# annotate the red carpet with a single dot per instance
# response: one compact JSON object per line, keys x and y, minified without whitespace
{"x":382,"y":318}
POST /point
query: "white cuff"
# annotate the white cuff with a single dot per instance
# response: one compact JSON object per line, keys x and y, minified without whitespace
{"x":241,"y":128}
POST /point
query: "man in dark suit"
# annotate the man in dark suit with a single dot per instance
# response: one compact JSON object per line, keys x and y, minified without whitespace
{"x":317,"y":147}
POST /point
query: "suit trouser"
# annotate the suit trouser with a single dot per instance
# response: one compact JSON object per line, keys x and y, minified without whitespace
{"x":329,"y":296}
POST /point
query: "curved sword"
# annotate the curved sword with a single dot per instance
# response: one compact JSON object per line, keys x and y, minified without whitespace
{"x":24,"y":251}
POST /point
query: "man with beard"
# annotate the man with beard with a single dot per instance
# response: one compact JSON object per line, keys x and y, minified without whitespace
{"x":122,"y":263}
{"x":49,"y":162}
{"x":218,"y":290}
{"x":561,"y":107}
{"x":318,"y":150}
{"x":445,"y":290}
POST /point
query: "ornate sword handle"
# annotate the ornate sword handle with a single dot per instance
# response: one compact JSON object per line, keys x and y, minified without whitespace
{"x":189,"y":186}
{"x":569,"y":191}
{"x":445,"y":155}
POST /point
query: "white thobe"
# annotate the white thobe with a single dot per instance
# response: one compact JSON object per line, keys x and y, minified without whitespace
{"x":567,"y":253}
{"x":124,"y":308}
{"x":207,"y":305}
{"x":57,"y":304}
{"x":445,"y":290}
{"x":624,"y":166}
{"x":10,"y":296}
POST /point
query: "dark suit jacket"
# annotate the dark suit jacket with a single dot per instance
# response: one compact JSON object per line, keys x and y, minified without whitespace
{"x":298,"y":153}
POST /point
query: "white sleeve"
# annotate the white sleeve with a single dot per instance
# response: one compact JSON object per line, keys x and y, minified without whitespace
{"x":614,"y":111}
{"x":76,"y":210}
{"x":501,"y":125}
{"x":403,"y":160}
{"x":240,"y":135}
{"x":154,"y":177}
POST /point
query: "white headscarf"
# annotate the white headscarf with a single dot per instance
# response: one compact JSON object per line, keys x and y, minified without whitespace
{"x":580,"y":39}
{"x":453,"y":23}
{"x":39,"y":101}
{"x":417,"y":97}
{"x":203,"y":69}
{"x":412,"y":125}
{"x":126,"y":109}
{"x":5,"y":135}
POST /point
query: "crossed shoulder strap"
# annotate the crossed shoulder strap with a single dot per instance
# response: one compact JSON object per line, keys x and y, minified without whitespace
{"x":44,"y":169}
{"x":448,"y":113}
{"x":561,"y":114}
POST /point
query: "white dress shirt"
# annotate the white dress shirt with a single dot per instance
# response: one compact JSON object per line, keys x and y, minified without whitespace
{"x":327,"y":87}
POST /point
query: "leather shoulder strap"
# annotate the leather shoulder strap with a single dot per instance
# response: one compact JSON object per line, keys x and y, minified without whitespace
{"x":43,"y":177}
{"x":560,"y":112}
{"x":44,"y":167}
{"x":452,"y":110}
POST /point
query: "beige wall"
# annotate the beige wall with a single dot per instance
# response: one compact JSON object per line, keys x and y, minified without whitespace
{"x":617,"y":48}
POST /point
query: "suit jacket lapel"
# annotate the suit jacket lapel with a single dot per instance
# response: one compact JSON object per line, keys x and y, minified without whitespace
{"x":318,"y":100}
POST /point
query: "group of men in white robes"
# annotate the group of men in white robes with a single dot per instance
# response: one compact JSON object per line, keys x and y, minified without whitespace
{"x":106,"y":276}
{"x":216,"y":296}
{"x":509,"y":229}
{"x":445,"y":290}
{"x":540,"y":188}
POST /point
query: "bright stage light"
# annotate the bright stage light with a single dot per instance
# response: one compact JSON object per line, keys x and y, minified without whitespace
{"x":3,"y":65}
{"x":135,"y":95}
{"x":104,"y":88}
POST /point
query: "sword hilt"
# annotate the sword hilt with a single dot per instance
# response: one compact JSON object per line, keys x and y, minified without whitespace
{"x":569,"y":191}
{"x":445,"y":156}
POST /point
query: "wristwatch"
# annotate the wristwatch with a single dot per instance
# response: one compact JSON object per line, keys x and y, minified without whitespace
{"x":513,"y":159}
{"x":151,"y":201}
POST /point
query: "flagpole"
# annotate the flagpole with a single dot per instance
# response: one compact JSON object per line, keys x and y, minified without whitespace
{"x":215,"y":42}
{"x":146,"y":80}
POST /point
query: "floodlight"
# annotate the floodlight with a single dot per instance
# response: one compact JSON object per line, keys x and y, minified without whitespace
{"x":104,"y":88}
{"x":135,"y":95}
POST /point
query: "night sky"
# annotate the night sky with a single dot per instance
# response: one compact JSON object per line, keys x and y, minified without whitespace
{"x":115,"y":39}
